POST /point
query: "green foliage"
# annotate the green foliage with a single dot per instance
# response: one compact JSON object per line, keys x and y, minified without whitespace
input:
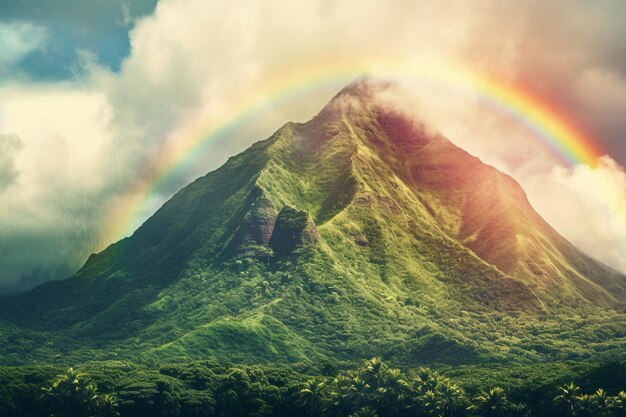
{"x":73,"y":394}
{"x":355,"y":234}
{"x":492,"y":403}
{"x":568,"y":399}
{"x":211,"y":388}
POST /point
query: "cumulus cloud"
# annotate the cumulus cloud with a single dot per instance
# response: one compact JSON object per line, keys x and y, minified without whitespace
{"x":568,"y":53}
{"x":50,"y":216}
{"x":587,"y":205}
{"x":194,"y":65}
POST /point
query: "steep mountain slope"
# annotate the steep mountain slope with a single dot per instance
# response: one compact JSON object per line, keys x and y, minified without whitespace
{"x":355,"y":234}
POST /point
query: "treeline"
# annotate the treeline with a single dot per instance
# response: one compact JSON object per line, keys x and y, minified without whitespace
{"x":211,"y":389}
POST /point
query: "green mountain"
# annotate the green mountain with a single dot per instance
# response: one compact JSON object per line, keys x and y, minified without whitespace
{"x":358,"y":233}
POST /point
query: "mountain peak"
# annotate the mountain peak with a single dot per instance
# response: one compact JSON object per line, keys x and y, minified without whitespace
{"x":365,"y":87}
{"x":360,"y":212}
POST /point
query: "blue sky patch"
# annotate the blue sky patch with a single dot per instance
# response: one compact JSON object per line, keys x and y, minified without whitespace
{"x":69,"y":27}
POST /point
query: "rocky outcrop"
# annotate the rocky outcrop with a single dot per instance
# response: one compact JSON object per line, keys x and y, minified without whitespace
{"x":293,"y":229}
{"x":257,"y":225}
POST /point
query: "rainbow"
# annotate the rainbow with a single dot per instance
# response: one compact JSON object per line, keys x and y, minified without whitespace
{"x":555,"y":129}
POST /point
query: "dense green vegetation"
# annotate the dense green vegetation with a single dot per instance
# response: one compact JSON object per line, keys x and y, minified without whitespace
{"x":354,"y":235}
{"x":372,"y":389}
{"x":260,"y":316}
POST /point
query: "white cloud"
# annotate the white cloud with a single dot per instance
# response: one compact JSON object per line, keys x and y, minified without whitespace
{"x":587,"y":205}
{"x":50,"y":218}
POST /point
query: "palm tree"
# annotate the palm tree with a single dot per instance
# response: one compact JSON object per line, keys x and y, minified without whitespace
{"x":493,"y":403}
{"x":348,"y":395}
{"x":339,"y":402}
{"x":585,"y":405}
{"x":311,"y":396}
{"x":91,"y":398}
{"x":73,"y":394}
{"x":394,"y":390}
{"x":107,"y":405}
{"x":425,"y":380}
{"x":430,"y":405}
{"x":567,"y":399}
{"x":357,"y":392}
{"x":602,"y":403}
{"x":373,"y":372}
{"x":450,"y":396}
{"x":619,"y":404}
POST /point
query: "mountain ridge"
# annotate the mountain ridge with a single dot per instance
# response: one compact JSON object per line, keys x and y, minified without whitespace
{"x":359,"y":220}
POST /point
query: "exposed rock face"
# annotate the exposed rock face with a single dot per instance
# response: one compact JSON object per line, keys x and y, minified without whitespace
{"x":264,"y":229}
{"x":294,"y":228}
{"x":260,"y":221}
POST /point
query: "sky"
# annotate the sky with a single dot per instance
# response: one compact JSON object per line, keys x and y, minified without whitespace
{"x":95,"y":97}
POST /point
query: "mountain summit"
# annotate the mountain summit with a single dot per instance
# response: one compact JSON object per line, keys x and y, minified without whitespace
{"x":357,"y":233}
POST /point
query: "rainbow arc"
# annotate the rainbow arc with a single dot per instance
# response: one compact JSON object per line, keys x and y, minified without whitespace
{"x":554,"y":128}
